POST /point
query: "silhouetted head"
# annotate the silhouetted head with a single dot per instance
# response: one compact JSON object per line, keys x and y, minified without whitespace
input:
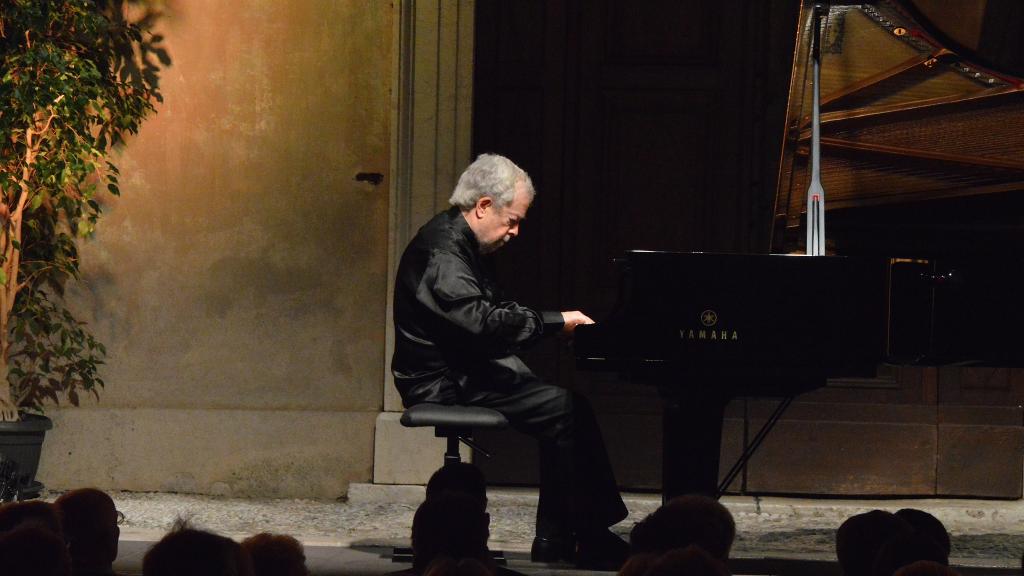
{"x":30,"y":513}
{"x":861,"y":537}
{"x":33,"y":550}
{"x":926,"y":568}
{"x":445,"y":566}
{"x":689,"y":561}
{"x":925,"y":523}
{"x":905,"y":549}
{"x":638,"y":564}
{"x":461,"y":477}
{"x":275,"y":555}
{"x":185,"y":551}
{"x":691,"y":519}
{"x":90,"y":527}
{"x":450,"y":524}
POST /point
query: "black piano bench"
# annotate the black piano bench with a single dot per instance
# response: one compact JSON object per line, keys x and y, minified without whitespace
{"x":454,"y":422}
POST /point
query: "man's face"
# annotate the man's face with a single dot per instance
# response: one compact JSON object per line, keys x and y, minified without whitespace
{"x":496,"y":225}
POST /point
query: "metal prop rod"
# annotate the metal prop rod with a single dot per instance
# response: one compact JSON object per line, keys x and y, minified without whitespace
{"x":815,"y":192}
{"x":749,"y":451}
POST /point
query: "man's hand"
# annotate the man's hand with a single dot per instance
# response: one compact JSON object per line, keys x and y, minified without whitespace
{"x":573,"y":319}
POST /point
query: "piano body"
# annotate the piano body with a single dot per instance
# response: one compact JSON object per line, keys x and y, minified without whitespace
{"x":705,"y":328}
{"x":922,"y":146}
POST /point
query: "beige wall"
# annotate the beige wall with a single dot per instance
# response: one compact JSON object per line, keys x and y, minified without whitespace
{"x":240,"y":281}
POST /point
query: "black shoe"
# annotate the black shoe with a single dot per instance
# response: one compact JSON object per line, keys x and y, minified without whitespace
{"x":601,"y":550}
{"x":552,"y":550}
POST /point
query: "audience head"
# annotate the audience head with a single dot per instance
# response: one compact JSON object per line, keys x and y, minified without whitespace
{"x":450,"y":524}
{"x":638,"y":564}
{"x":275,"y":555}
{"x":33,"y":550}
{"x":924,"y":523}
{"x":30,"y":513}
{"x":689,"y":561}
{"x":460,"y":477}
{"x":861,"y":537}
{"x":185,"y":551}
{"x":445,"y":566}
{"x":926,"y":568}
{"x":692,"y":519}
{"x":905,"y":549}
{"x":90,"y":527}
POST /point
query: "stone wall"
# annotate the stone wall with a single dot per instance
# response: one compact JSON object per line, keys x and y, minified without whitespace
{"x":240,"y":280}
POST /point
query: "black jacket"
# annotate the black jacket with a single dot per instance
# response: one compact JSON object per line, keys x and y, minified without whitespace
{"x":451,"y":332}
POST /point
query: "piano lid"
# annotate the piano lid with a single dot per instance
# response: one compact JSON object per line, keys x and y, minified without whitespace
{"x":908,"y":113}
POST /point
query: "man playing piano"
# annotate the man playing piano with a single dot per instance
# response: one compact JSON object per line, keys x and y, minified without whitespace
{"x":455,"y":343}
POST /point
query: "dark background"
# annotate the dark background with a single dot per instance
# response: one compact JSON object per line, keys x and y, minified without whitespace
{"x":644,"y":125}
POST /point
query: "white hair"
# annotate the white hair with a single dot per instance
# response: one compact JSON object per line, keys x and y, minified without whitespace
{"x":490,"y":175}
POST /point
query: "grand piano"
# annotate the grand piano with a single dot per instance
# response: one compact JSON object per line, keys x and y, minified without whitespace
{"x":922,"y":163}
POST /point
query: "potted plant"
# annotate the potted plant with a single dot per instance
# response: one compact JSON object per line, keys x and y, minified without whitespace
{"x":77,"y":77}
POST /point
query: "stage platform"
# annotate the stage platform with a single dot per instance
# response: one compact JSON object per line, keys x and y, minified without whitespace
{"x":354,"y":536}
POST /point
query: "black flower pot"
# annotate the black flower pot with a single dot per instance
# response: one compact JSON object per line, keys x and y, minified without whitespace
{"x":20,"y":446}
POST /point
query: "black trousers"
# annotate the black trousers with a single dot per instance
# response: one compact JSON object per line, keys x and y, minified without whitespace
{"x":578,"y":493}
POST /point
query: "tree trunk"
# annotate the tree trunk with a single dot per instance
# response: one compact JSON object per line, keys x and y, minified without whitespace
{"x":10,"y":247}
{"x":8,"y":410}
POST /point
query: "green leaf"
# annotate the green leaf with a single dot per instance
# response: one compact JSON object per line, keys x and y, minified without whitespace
{"x":80,"y":51}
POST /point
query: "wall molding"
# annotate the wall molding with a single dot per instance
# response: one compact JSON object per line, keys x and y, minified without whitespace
{"x":431,"y":140}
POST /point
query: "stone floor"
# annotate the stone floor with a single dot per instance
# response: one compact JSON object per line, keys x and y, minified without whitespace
{"x":349,"y":537}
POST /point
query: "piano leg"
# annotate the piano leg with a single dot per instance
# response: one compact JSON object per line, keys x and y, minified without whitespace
{"x":692,"y":439}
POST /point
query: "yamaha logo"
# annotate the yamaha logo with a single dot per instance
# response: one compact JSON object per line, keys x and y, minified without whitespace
{"x":709,"y":331}
{"x":708,"y":318}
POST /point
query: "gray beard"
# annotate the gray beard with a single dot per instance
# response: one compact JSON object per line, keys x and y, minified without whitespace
{"x":493,"y":246}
